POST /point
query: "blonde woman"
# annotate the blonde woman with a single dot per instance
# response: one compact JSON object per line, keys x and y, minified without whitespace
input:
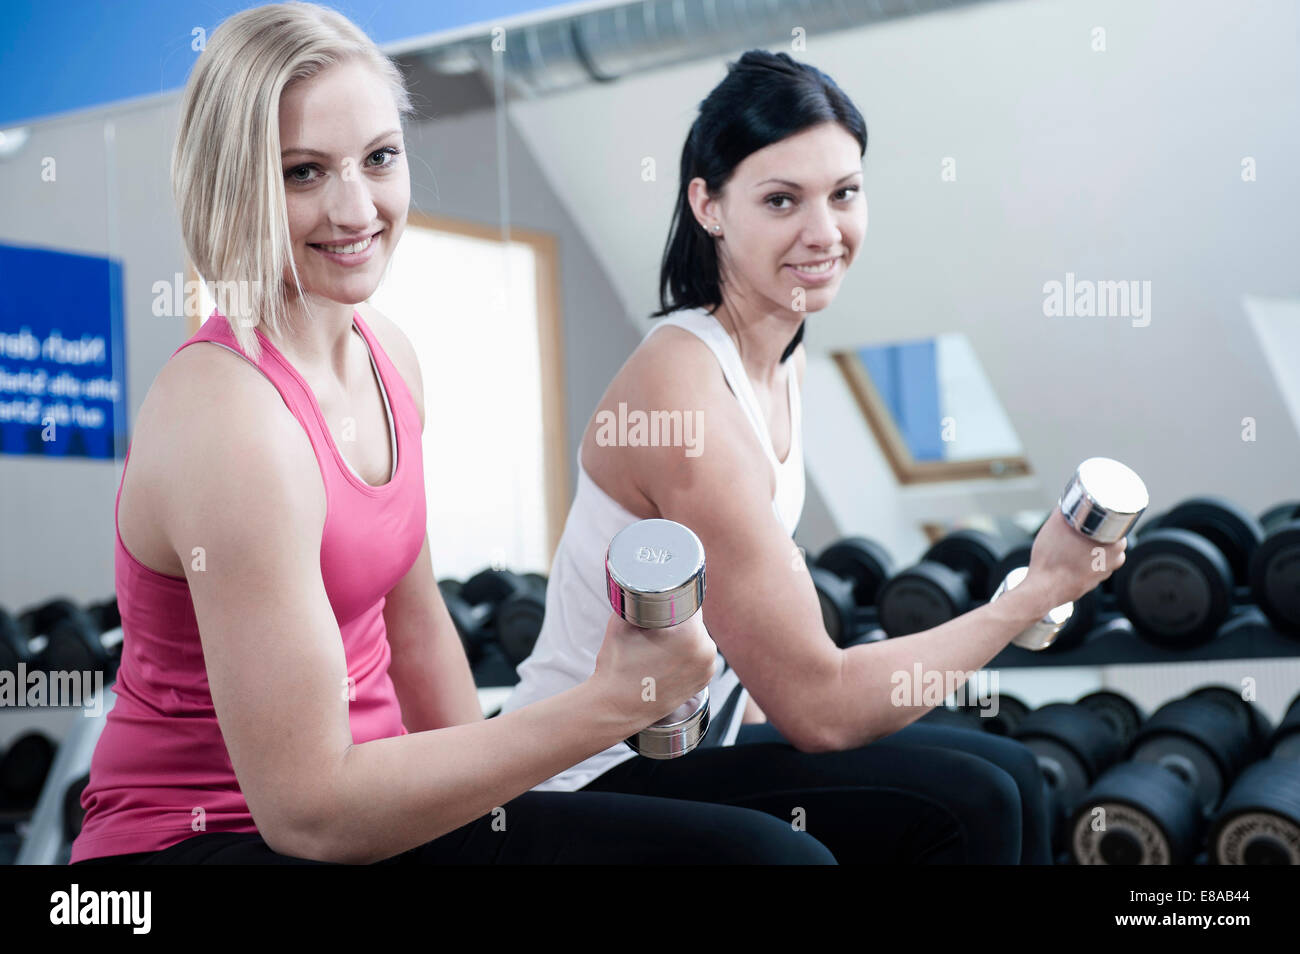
{"x":291,"y":688}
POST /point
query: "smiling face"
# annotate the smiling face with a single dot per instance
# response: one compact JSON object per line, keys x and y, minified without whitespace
{"x":793,"y":216}
{"x":346,"y":183}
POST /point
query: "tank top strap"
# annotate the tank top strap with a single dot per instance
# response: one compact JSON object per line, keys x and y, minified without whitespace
{"x":709,"y":330}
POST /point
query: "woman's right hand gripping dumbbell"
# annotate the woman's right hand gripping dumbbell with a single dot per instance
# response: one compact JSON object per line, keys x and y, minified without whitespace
{"x":1064,"y":564}
{"x":644,"y":674}
{"x":657,"y":658}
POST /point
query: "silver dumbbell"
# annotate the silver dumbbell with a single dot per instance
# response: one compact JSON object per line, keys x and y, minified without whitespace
{"x":1102,"y":501}
{"x":654,"y":573}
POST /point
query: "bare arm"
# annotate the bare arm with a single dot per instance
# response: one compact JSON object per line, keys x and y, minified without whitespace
{"x":762,"y":608}
{"x":275,"y":661}
{"x":430,"y":673}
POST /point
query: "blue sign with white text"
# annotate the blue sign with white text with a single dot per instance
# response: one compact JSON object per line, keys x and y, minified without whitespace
{"x":62,"y":355}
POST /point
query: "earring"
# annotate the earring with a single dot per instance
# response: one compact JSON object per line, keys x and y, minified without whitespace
{"x":717,"y":229}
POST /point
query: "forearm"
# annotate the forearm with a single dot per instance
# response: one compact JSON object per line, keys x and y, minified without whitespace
{"x":865,"y":703}
{"x":389,"y":795}
{"x":435,"y":688}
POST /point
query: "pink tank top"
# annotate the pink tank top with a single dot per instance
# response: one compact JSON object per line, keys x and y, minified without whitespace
{"x":161,"y":765}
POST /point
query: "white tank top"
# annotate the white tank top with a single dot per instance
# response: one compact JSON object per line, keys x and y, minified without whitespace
{"x":577,"y":607}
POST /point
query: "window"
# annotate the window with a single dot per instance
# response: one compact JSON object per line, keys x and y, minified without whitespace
{"x":933,"y":410}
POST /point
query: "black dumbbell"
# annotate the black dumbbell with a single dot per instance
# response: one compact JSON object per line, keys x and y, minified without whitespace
{"x":73,"y":813}
{"x":1286,"y":738}
{"x":954,"y":576}
{"x":1011,"y":712}
{"x":473,"y":621}
{"x":1251,"y":717}
{"x":519,"y":618}
{"x":37,"y":620}
{"x":1073,"y":745}
{"x":59,"y":636}
{"x":106,"y":614}
{"x":474,"y":610}
{"x":1119,"y":711}
{"x":848,"y":576}
{"x":1154,"y":808}
{"x":23,"y":770}
{"x":1178,"y":583}
{"x":1275,"y":567}
{"x":1259,"y":820}
{"x":16,"y":646}
{"x":77,"y":644}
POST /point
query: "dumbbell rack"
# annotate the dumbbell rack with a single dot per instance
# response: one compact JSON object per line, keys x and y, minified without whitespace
{"x":1247,"y":635}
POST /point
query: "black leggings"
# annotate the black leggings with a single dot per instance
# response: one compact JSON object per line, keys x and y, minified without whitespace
{"x":927,"y":794}
{"x":555,"y":828}
{"x":924,"y":795}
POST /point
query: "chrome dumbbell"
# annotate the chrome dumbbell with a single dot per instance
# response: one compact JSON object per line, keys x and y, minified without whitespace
{"x":1102,"y":501}
{"x":654,"y":574}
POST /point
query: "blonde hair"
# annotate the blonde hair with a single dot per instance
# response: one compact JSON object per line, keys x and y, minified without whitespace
{"x":226,"y":173}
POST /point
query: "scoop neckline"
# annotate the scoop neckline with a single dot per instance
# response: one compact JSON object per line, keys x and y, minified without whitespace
{"x":372,"y":489}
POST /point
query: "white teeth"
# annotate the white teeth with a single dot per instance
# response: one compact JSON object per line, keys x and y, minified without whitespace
{"x":816,"y":269}
{"x":349,"y":249}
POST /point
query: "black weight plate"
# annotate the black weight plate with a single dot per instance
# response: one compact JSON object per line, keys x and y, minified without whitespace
{"x":1152,"y":522}
{"x":1120,"y":712}
{"x":920,"y":598}
{"x":24,"y":767}
{"x":491,"y":586}
{"x":37,"y":620}
{"x":538,"y":580}
{"x":1010,"y":713}
{"x":1149,"y":816}
{"x":1250,"y":716}
{"x":1259,"y":822}
{"x":1175,"y":588}
{"x":1075,"y":630}
{"x":1195,"y":739}
{"x":1275,"y":577}
{"x":1230,"y":528}
{"x":1285,"y":743}
{"x":864,"y":562}
{"x":449,"y":587}
{"x":1067,"y":778}
{"x":1275,"y":516}
{"x":106,"y":615}
{"x":13,"y":643}
{"x":473,"y":624}
{"x":1014,"y":558}
{"x":974,"y":555}
{"x":1079,"y":730}
{"x":74,"y":645}
{"x":73,"y":813}
{"x":518,"y":624}
{"x":835,"y":596}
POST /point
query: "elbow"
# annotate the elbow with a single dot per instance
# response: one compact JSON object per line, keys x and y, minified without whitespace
{"x":310,"y":835}
{"x":816,"y":736}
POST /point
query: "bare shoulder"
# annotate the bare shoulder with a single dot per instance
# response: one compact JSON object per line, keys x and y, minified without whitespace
{"x":673,"y":364}
{"x":211,"y":428}
{"x":673,"y":371}
{"x":399,"y":349}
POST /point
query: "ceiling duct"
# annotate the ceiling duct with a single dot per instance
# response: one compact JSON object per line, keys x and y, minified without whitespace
{"x":604,"y":45}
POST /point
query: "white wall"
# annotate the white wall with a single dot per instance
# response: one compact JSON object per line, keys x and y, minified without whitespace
{"x":1114,"y":165}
